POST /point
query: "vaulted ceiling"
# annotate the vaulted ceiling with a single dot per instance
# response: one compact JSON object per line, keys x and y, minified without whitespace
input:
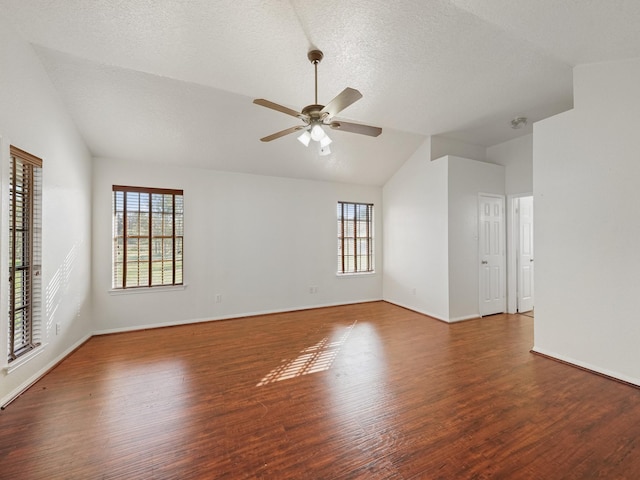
{"x":172,"y":81}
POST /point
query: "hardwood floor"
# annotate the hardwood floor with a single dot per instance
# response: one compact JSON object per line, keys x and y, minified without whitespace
{"x":368,"y":391}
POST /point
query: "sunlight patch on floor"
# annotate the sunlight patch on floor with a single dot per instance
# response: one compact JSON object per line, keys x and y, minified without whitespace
{"x":316,"y":358}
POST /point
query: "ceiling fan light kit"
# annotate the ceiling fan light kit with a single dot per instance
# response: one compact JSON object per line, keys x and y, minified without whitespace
{"x":317,"y":116}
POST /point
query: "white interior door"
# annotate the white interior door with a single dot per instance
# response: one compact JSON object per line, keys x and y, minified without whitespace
{"x":525,"y":254}
{"x":492,"y":254}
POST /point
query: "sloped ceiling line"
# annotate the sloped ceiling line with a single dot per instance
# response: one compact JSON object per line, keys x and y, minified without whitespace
{"x":459,"y":68}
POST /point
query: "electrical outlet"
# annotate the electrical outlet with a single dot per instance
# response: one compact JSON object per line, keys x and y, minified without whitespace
{"x":313,"y":289}
{"x":413,"y":291}
{"x":57,"y":328}
{"x":218,"y":298}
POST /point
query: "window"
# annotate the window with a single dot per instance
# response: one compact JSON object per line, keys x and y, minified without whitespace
{"x":147,"y":237}
{"x":25,"y":226}
{"x":355,"y":237}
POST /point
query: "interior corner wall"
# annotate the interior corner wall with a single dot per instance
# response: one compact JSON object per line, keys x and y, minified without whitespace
{"x":517,"y":158}
{"x":415,"y":219}
{"x":467,"y":178}
{"x":33,"y":118}
{"x":259,"y":243}
{"x":586,"y":171}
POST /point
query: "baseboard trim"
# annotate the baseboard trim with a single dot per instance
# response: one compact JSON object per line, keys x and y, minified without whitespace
{"x":616,"y":377}
{"x":464,"y":318}
{"x":8,"y":399}
{"x":226,"y":317}
{"x":417,"y":310}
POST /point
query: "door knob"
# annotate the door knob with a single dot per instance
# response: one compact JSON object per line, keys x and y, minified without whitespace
{"x":531,"y":259}
{"x":484,"y":262}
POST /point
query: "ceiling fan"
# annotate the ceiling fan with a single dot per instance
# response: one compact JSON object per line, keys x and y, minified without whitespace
{"x":317,"y":116}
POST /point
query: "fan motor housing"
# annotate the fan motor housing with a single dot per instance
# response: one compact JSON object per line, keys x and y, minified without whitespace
{"x":313,"y":111}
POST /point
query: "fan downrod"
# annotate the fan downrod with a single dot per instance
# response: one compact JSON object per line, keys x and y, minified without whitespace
{"x":315,"y":56}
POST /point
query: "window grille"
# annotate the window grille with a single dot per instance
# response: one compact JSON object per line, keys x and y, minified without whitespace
{"x":148,"y":232}
{"x":355,"y":237}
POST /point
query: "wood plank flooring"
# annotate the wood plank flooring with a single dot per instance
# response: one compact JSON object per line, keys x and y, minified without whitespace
{"x":368,"y":391}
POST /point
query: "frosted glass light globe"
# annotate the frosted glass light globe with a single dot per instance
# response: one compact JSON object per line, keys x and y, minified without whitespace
{"x":317,"y":133}
{"x":305,"y":138}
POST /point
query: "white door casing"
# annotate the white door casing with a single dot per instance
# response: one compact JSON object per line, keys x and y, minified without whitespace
{"x":525,"y":254}
{"x":491,"y":254}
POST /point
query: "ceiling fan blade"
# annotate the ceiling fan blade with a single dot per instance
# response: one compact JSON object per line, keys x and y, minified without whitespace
{"x":274,"y":106}
{"x":356,"y":128}
{"x":342,"y":101}
{"x":281,"y":133}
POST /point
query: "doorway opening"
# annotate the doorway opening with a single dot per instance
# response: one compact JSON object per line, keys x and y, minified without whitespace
{"x":520,"y":261}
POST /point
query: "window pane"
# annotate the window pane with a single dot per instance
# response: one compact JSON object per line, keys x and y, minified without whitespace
{"x":133,"y":274}
{"x":132,"y":250}
{"x":133,"y":201}
{"x":179,"y":248}
{"x":167,"y":249}
{"x":168,"y":225}
{"x":143,"y":250}
{"x":117,"y":275}
{"x":143,"y":273}
{"x":119,"y":224}
{"x":179,"y":272}
{"x":144,"y":223}
{"x":349,"y":248}
{"x":156,"y":253}
{"x":156,"y":224}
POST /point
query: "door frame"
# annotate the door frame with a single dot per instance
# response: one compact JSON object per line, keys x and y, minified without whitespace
{"x":512,"y":250}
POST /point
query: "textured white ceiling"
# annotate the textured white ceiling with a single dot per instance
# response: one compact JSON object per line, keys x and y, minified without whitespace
{"x":172,"y":81}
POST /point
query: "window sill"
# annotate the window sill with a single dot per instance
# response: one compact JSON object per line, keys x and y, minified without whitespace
{"x":20,"y":361}
{"x":354,"y":275}
{"x":138,"y":290}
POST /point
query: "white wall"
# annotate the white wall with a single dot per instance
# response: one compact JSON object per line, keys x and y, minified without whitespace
{"x":517,"y":157}
{"x":258,"y":241}
{"x":33,"y":119}
{"x":431,"y":233}
{"x":467,"y":178}
{"x":443,"y":146}
{"x":415,"y":235}
{"x":586,"y":172}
